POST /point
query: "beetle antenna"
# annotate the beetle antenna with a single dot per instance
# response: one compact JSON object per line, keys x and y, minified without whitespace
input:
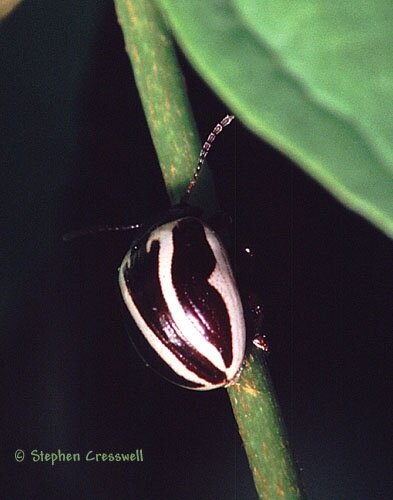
{"x":100,"y":229}
{"x":202,"y":155}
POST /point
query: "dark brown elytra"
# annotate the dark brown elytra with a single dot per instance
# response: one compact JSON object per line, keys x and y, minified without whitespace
{"x":195,"y":295}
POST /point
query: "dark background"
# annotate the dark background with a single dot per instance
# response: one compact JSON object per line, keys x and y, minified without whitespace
{"x":75,"y":152}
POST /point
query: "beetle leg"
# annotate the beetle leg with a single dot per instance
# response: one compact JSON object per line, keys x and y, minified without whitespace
{"x":252,"y":302}
{"x":255,"y":321}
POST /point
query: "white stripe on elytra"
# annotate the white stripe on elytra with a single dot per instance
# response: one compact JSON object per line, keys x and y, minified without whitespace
{"x":189,"y":328}
{"x":167,"y":356}
{"x":219,"y":280}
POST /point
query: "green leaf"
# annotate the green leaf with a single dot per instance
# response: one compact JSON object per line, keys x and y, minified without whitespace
{"x":313,"y":78}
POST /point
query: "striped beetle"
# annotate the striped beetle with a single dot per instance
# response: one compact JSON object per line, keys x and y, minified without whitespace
{"x":178,"y":287}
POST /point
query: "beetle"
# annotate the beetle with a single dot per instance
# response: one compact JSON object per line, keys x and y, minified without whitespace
{"x":178,"y":286}
{"x":179,"y":289}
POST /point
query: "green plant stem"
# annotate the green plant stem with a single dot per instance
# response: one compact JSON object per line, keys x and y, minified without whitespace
{"x":164,"y":98}
{"x":161,"y":87}
{"x":261,"y":428}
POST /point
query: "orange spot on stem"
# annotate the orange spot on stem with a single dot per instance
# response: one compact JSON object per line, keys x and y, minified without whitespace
{"x":153,"y":119}
{"x":166,"y":101}
{"x":131,"y":11}
{"x":250,"y":390}
{"x":135,"y":54}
